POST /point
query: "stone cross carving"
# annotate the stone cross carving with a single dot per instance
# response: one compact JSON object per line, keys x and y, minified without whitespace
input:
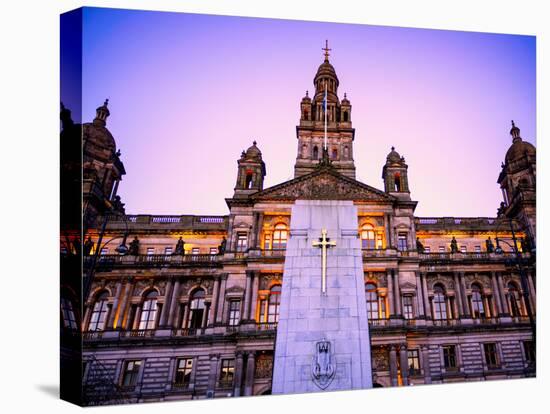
{"x":323,"y":243}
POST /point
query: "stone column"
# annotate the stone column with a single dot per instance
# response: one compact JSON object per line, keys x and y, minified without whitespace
{"x":426,"y":364}
{"x":428,"y":310}
{"x":111,"y":320}
{"x":419,"y":297}
{"x":387,"y":230}
{"x":249,"y":380}
{"x":397,"y":290}
{"x":185,"y":321}
{"x":393,"y":366}
{"x":504,"y":301}
{"x":215,"y":294}
{"x":532,"y":293}
{"x":213,"y":375}
{"x":458,"y":295}
{"x":205,"y":315}
{"x":254,"y":299}
{"x":125,"y":299}
{"x":466,"y":308}
{"x":496,"y":294}
{"x":86,"y":319}
{"x":137,"y":318}
{"x":247,"y":294}
{"x":238,"y":374}
{"x":166,"y":306}
{"x":221,"y":299}
{"x":174,"y":304}
{"x":404,"y":362}
{"x":390,"y":293}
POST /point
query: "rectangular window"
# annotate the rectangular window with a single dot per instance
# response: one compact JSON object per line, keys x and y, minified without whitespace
{"x":491,"y":357}
{"x":267,"y":242}
{"x":234,"y":312}
{"x":195,"y":250}
{"x":413,"y":359}
{"x":263,"y":305}
{"x":449,"y":357}
{"x":67,"y":311}
{"x":167,"y":251}
{"x":408,"y":307}
{"x":529,"y":351}
{"x":130,"y":373}
{"x":242,"y":240}
{"x":150,"y":251}
{"x":427,"y":249}
{"x":227,"y":373}
{"x":184,"y":367}
{"x":213,"y":250}
{"x":441,"y":249}
{"x":463,"y":249}
{"x":477,"y":249}
{"x":105,"y":250}
{"x":402,"y":242}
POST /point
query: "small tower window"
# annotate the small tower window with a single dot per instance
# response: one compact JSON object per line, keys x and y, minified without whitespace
{"x":304,"y":151}
{"x":346,"y":152}
{"x":315,"y":153}
{"x":248,"y":181}
{"x":306,"y":115}
{"x":397,"y":182}
{"x":334,"y":153}
{"x":346,"y":116}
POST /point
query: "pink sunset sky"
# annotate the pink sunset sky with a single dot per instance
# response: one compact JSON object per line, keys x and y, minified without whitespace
{"x":187,"y":93}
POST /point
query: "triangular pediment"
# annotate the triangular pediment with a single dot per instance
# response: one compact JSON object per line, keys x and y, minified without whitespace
{"x":323,"y":184}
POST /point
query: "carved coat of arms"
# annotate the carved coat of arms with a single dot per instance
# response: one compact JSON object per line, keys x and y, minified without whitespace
{"x":322,"y":368}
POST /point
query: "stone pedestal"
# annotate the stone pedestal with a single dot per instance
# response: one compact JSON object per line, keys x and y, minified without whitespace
{"x":322,"y":338}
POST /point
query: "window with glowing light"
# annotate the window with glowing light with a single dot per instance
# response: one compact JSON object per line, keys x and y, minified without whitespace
{"x":99,"y":313}
{"x":149,"y":311}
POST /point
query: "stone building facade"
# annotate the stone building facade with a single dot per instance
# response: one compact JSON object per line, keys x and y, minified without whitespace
{"x":190,"y":309}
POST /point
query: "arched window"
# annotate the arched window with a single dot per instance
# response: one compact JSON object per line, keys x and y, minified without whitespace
{"x":372,"y":301}
{"x":514,"y":299}
{"x":304,"y":151}
{"x":196,"y":309}
{"x":67,"y":313}
{"x":149,"y":311}
{"x":368,"y":239}
{"x":273,"y":304}
{"x":346,"y":117}
{"x":99,"y":313}
{"x":280,"y":236}
{"x":346,"y":152}
{"x":248,"y":182}
{"x":315,"y":153}
{"x":334,"y":153}
{"x":397,"y":182}
{"x":439,"y":303}
{"x":478,"y":308}
{"x":306,"y":115}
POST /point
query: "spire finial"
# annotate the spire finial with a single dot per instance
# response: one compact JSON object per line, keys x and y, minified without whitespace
{"x":254,"y":142}
{"x":307,"y":93}
{"x":345,"y":95}
{"x":326,"y":49}
{"x":393,"y":148}
{"x":106,"y":102}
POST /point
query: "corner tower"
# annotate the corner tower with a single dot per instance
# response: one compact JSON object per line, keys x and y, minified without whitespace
{"x":311,"y":130}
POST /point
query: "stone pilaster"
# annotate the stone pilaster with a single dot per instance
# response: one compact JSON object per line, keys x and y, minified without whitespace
{"x":238,"y":374}
{"x":458,"y":296}
{"x":254,"y":298}
{"x":505,"y":311}
{"x":221,"y":299}
{"x":404,"y":363}
{"x":428,"y":311}
{"x":166,"y":305}
{"x":393,"y":366}
{"x":215,"y":295}
{"x":391,"y":294}
{"x":213,"y":375}
{"x":419,"y":298}
{"x":496,"y":294}
{"x":249,"y":379}
{"x":204,"y":320}
{"x":247,"y":294}
{"x":112,"y":314}
{"x":426,"y":364}
{"x":532,"y":293}
{"x":174,"y":302}
{"x":125,"y":299}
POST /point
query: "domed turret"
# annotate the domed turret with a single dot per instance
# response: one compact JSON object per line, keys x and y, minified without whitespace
{"x":394,"y":174}
{"x":519,"y":147}
{"x":253,"y":152}
{"x":251,"y":172}
{"x":393,"y":157}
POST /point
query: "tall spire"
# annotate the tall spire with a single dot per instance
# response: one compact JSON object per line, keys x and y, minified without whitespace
{"x":326,"y":49}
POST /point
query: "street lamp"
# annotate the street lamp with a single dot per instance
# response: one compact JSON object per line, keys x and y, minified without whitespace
{"x":522,"y":276}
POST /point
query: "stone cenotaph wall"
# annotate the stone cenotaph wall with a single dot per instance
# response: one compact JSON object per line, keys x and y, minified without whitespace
{"x":322,"y":338}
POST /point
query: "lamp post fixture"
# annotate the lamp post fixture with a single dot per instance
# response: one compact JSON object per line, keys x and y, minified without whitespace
{"x":522,"y":276}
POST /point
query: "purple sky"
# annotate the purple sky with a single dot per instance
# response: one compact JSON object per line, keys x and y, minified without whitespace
{"x":189,"y":92}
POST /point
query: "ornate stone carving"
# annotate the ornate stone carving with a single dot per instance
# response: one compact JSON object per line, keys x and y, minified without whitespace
{"x":267,"y":280}
{"x":380,"y":358}
{"x":264,"y":366}
{"x":323,"y":367}
{"x":446,"y":281}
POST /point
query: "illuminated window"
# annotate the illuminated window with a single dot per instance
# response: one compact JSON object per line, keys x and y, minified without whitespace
{"x":402,"y":242}
{"x":477,"y":249}
{"x":449,"y":357}
{"x":368,"y":237}
{"x":195,"y":250}
{"x":167,"y":251}
{"x":196,"y":308}
{"x":463,"y":249}
{"x":150,"y":251}
{"x":234,"y":312}
{"x":334,"y":154}
{"x":491,"y":357}
{"x":130,"y":373}
{"x":408,"y":307}
{"x":413,"y":360}
{"x":267,"y":241}
{"x":99,"y":313}
{"x":213,"y":250}
{"x":441,"y":249}
{"x":184,"y":367}
{"x":67,"y":312}
{"x":273,"y":304}
{"x":280,"y":236}
{"x":372,"y":301}
{"x":149,"y":311}
{"x":439,"y":303}
{"x":427,"y":249}
{"x":248,"y":180}
{"x":397,"y":182}
{"x":242,"y":242}
{"x":104,"y":251}
{"x":478,"y":308}
{"x":227,"y":373}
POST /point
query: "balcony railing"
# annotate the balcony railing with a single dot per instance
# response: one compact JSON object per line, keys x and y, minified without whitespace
{"x":146,"y":260}
{"x":266,"y":326}
{"x":137,"y":333}
{"x":187,"y":331}
{"x":468,"y":256}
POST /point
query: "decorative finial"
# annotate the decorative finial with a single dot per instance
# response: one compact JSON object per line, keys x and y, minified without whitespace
{"x":513,"y":125}
{"x":254,"y":142}
{"x":326,"y":49}
{"x":307,"y":93}
{"x":393,"y":148}
{"x":106,"y":102}
{"x":345,"y":95}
